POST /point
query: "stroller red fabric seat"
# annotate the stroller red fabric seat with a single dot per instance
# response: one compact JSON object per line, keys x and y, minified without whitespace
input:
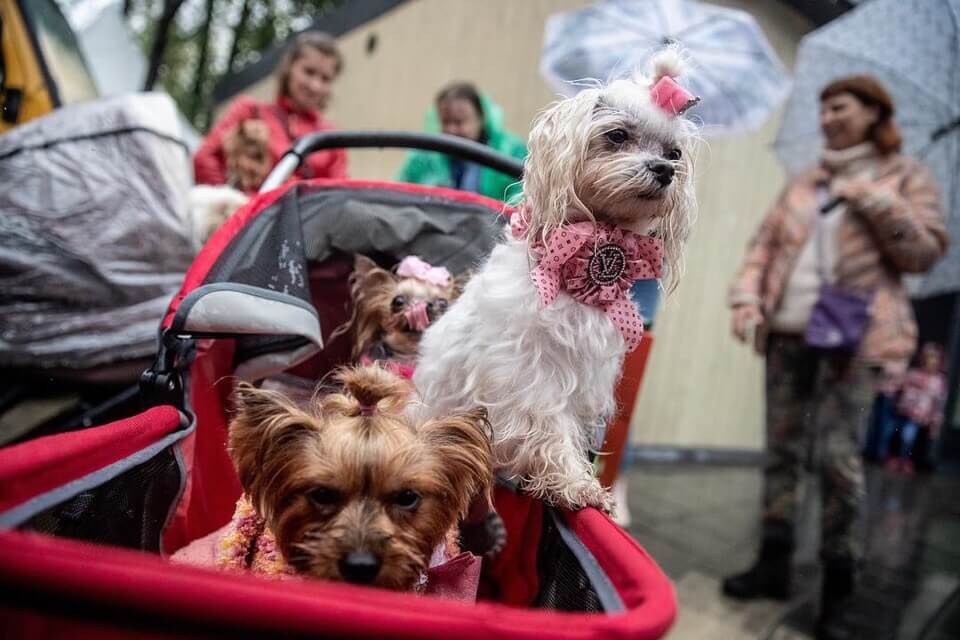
{"x":261,"y":300}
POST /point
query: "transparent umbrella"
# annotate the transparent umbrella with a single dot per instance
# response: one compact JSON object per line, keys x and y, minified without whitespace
{"x":912,"y":47}
{"x":733,"y":67}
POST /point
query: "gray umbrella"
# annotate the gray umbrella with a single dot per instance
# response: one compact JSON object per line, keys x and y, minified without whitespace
{"x":734,"y":70}
{"x":912,"y":47}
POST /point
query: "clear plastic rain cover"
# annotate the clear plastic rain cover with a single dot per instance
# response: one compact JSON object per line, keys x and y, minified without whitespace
{"x":94,"y":233}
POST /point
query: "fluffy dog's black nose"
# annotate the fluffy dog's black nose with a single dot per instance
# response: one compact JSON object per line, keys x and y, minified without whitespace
{"x":359,"y":567}
{"x":663,"y":171}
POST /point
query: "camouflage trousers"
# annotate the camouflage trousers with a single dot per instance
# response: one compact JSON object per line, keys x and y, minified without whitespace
{"x":817,"y":410}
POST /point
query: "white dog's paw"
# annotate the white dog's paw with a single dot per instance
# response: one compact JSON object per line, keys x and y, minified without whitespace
{"x":586,"y":493}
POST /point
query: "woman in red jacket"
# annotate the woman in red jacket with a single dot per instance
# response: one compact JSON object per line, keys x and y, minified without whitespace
{"x":305,"y":78}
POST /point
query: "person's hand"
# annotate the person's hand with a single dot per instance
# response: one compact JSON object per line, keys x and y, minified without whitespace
{"x":861,"y":192}
{"x":746,"y":319}
{"x":852,"y":190}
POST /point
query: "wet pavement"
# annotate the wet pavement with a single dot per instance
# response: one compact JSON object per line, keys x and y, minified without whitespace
{"x":702,"y":522}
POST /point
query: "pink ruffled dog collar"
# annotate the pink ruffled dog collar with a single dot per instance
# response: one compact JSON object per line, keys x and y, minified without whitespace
{"x":596,"y":264}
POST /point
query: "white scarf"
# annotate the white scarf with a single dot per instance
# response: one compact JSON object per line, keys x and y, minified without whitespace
{"x":858,"y":159}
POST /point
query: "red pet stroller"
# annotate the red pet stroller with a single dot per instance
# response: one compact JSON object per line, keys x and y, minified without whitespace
{"x":261,"y":300}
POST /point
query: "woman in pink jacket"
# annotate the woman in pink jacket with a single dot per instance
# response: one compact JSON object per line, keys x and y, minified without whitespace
{"x":821,"y":294}
{"x":305,"y":78}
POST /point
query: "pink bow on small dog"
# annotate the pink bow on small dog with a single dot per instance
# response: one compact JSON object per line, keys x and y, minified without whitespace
{"x":596,"y":264}
{"x":414,"y":267}
{"x":671,"y":97}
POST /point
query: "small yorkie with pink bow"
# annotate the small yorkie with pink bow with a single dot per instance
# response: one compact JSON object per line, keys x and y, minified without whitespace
{"x":391,"y":309}
{"x":539,"y":334}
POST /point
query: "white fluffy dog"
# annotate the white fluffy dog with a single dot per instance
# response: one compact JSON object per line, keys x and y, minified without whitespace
{"x":209,"y":207}
{"x":544,"y":363}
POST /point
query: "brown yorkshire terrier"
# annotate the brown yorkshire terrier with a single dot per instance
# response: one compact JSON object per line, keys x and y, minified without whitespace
{"x":247,"y":152}
{"x":351,"y":489}
{"x":391,"y":310}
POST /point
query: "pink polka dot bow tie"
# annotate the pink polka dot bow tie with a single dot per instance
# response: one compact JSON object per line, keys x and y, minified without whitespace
{"x":596,"y":264}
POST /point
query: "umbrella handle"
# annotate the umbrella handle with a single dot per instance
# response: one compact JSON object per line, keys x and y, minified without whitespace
{"x":830,"y":204}
{"x":939,"y":132}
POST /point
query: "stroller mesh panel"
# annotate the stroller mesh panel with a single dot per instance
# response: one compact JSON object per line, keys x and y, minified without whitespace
{"x":127,"y":511}
{"x":268,"y":254}
{"x":564,"y":585}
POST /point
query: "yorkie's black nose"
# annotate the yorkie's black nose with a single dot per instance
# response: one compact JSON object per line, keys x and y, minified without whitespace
{"x":359,"y":567}
{"x":663,"y":171}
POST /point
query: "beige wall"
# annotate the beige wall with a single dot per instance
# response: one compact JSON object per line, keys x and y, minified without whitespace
{"x":700,"y":389}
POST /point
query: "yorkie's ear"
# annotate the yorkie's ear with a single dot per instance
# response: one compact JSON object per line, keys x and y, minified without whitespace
{"x":265,"y":424}
{"x":368,"y":273}
{"x":462,"y":442}
{"x":362,"y":264}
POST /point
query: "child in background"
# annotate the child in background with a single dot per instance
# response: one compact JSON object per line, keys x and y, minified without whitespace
{"x":921,"y":403}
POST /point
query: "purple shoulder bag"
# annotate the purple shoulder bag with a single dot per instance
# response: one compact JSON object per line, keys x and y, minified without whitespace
{"x":840,"y":316}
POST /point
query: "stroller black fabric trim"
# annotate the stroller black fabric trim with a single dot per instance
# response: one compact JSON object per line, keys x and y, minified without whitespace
{"x":18,"y":515}
{"x":599,"y":580}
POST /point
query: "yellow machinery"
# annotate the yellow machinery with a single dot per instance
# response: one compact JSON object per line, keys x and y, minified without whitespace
{"x":41,"y":66}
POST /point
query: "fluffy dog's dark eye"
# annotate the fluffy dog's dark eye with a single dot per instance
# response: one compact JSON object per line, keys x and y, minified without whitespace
{"x":617,"y":136}
{"x":439,"y":305}
{"x":324,"y":496}
{"x":407,"y":500}
{"x":673,"y":154}
{"x":398,"y":303}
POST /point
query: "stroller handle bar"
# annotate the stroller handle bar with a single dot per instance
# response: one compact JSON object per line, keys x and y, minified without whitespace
{"x":451,"y":145}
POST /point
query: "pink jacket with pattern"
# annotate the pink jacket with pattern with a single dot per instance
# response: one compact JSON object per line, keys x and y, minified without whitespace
{"x":897,"y":229}
{"x":922,"y":397}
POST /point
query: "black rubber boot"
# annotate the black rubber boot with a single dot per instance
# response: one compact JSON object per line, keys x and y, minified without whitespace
{"x":770,"y":576}
{"x":835,"y":598}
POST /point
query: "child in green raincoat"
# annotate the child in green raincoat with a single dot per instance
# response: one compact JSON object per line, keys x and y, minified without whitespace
{"x":460,"y":110}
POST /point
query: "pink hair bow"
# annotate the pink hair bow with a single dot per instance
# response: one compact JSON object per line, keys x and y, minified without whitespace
{"x":414,"y":267}
{"x":671,"y":97}
{"x":596,"y":264}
